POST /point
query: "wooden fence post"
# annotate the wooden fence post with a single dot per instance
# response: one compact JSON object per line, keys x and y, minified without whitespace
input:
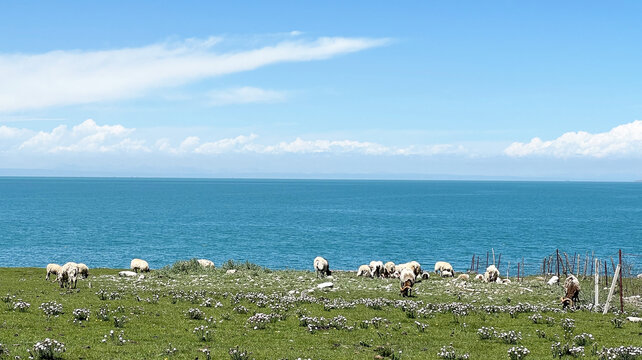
{"x":611,"y":290}
{"x":597,"y":283}
{"x":621,"y":296}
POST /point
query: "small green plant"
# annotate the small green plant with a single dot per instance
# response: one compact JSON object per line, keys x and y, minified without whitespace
{"x":237,"y":354}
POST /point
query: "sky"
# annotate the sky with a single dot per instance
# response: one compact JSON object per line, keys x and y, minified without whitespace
{"x":367,"y":89}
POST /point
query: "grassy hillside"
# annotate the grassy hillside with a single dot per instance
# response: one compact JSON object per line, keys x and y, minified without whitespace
{"x":281,"y":315}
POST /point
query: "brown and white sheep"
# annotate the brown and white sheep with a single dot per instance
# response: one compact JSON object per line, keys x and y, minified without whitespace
{"x":83,"y":270}
{"x":376,"y":268}
{"x":388,"y":269}
{"x":68,"y":275}
{"x":572,"y":289}
{"x":364,"y":270}
{"x":407,"y":280}
{"x":491,"y":274}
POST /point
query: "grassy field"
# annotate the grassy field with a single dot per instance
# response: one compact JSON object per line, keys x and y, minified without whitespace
{"x":282,"y":315}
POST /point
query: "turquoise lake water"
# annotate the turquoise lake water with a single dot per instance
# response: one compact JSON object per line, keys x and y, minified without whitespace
{"x":286,"y":223}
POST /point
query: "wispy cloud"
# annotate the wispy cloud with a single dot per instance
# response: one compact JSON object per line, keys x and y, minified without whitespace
{"x":623,"y":140}
{"x":245,"y":95}
{"x":78,"y":77}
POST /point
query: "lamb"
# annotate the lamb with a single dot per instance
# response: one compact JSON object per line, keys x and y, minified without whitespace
{"x":53,"y":269}
{"x":68,"y":275}
{"x":376,"y":268}
{"x":139,"y":265}
{"x":553,"y":280}
{"x":407,"y":280}
{"x":491,"y":274}
{"x":206,"y":263}
{"x":425,"y":275}
{"x":441,"y":266}
{"x":479,"y":277}
{"x":388,"y":269}
{"x":321,"y":266}
{"x":446,"y":273}
{"x":572,"y":288}
{"x":364,"y":270}
{"x":83,"y":270}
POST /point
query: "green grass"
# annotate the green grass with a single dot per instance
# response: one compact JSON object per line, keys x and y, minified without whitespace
{"x":155,"y":310}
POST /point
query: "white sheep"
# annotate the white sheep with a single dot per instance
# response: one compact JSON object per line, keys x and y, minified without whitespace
{"x":376,"y":268}
{"x":416,"y":267}
{"x":463,"y":277}
{"x":553,"y":280}
{"x":206,"y":263}
{"x":441,"y":266}
{"x":407,"y":280}
{"x":388,"y":269}
{"x":139,"y":265}
{"x":68,"y":275}
{"x":321,"y":266}
{"x":83,"y":270}
{"x":127,"y":274}
{"x":572,"y":288}
{"x":425,"y":275}
{"x":491,"y":274}
{"x":446,"y":273}
{"x":364,"y":270}
{"x":53,"y":269}
{"x":479,"y":277}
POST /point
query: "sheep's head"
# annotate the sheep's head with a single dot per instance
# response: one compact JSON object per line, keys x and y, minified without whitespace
{"x":566,"y":302}
{"x":328,"y":272}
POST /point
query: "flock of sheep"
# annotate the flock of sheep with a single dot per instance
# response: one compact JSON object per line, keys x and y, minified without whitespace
{"x":408,"y":273}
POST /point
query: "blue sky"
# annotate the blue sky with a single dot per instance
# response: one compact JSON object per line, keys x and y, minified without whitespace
{"x":540,"y":90}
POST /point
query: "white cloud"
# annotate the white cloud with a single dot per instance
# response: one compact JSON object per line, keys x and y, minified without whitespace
{"x":623,"y":140}
{"x":78,"y":77}
{"x":245,"y":95}
{"x":10,"y":133}
{"x":226,"y":145}
{"x":84,"y":137}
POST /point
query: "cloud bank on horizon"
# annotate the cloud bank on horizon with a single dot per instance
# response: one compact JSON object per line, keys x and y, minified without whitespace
{"x":89,"y":137}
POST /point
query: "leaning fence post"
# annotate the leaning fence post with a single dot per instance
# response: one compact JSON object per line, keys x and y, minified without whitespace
{"x":611,"y":290}
{"x":597,"y":283}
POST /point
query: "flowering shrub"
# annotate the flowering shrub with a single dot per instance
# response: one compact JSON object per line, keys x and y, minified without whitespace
{"x":241,"y":309}
{"x":568,"y":325}
{"x":51,"y":308}
{"x":120,"y":321}
{"x":203,"y":333}
{"x":449,"y":352}
{"x":195,"y":314}
{"x":420,"y":326}
{"x":170,"y":350}
{"x":617,"y":323}
{"x":518,"y":352}
{"x":620,"y":353}
{"x":583,"y":339}
{"x":104,"y":295}
{"x":313,"y":323}
{"x":536,"y":318}
{"x":485,"y":333}
{"x":236,"y":354}
{"x":260,"y":320}
{"x":509,"y":337}
{"x":47,"y":349}
{"x":21,"y":305}
{"x":118,"y":340}
{"x":103,"y":313}
{"x":81,"y":315}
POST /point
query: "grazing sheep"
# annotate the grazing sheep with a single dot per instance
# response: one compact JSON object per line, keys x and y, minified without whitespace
{"x":53,"y":269}
{"x":416,"y":267}
{"x":446,"y":273}
{"x":321,"y":266}
{"x":376,"y":268}
{"x":553,"y":280}
{"x":139,"y":265}
{"x":407,"y":280}
{"x":491,"y":274}
{"x":463,"y":277}
{"x":364,"y":270}
{"x":425,"y":275}
{"x":206,"y":263}
{"x":68,"y":275}
{"x":479,"y":277}
{"x":572,"y":288}
{"x":441,"y":266}
{"x":388,"y":269}
{"x":506,"y":281}
{"x":83,"y":270}
{"x":126,"y":274}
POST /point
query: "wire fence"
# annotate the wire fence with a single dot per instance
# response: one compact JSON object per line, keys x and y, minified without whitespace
{"x":585,"y":266}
